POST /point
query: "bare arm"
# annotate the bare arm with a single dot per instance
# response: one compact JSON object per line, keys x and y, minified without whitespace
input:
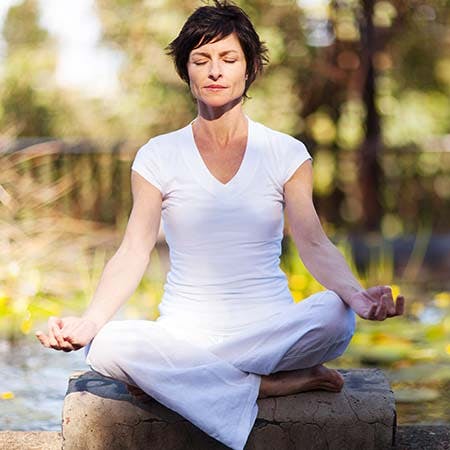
{"x":319,"y":254}
{"x":125,"y":269}
{"x":120,"y":276}
{"x":323,"y":259}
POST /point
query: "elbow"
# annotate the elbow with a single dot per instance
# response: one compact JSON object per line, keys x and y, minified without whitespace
{"x":311,"y":242}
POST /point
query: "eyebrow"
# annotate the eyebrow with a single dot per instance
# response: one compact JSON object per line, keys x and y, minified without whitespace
{"x":207,"y":54}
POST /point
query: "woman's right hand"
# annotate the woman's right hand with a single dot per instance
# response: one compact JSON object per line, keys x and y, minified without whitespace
{"x":68,"y":333}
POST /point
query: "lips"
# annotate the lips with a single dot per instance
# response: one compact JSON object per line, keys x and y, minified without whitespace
{"x":215,"y":86}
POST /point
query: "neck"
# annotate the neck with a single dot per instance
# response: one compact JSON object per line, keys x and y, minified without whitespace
{"x":220,"y":125}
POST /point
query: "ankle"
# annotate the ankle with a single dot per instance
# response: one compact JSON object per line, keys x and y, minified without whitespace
{"x":265,"y":386}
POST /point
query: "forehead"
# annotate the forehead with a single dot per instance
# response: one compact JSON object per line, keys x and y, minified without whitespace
{"x":229,"y":43}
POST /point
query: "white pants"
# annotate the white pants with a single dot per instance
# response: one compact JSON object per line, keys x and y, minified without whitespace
{"x":213,"y":380}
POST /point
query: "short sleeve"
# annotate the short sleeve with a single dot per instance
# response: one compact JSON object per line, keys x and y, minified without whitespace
{"x":295,"y":154}
{"x":147,"y":164}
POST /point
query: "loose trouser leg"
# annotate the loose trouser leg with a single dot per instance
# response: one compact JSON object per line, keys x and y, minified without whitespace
{"x":307,"y":333}
{"x":208,"y":391}
{"x":210,"y":386}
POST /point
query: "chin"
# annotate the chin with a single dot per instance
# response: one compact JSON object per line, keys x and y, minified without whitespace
{"x":218,"y":102}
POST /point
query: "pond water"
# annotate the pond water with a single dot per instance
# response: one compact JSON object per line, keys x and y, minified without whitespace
{"x":37,"y":377}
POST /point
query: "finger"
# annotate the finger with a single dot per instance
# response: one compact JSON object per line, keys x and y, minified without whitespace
{"x":380,"y":314}
{"x":73,"y":343}
{"x":399,"y":305}
{"x":52,"y":339}
{"x":389,"y":303}
{"x":58,"y":336}
{"x":67,"y":347}
{"x":43,"y":339}
{"x":52,"y":323}
{"x":387,"y":290}
{"x":371,"y":313}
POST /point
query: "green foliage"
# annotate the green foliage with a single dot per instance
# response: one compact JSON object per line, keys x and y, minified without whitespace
{"x":21,"y":26}
{"x":308,"y":91}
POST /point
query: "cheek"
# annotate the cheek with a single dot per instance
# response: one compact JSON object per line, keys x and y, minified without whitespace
{"x":240,"y":76}
{"x":192,"y":76}
{"x":195,"y":79}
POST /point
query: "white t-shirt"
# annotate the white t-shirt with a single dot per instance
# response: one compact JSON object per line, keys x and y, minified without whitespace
{"x":224,"y":239}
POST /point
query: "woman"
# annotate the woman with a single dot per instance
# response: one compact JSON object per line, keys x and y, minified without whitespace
{"x":228,"y":331}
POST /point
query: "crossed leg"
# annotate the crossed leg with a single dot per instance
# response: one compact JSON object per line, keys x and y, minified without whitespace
{"x":307,"y":334}
{"x":210,"y":392}
{"x":206,"y":385}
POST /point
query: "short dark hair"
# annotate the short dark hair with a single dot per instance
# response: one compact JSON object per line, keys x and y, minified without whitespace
{"x":208,"y":23}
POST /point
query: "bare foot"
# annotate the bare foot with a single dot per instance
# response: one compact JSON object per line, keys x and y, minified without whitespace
{"x":301,"y":380}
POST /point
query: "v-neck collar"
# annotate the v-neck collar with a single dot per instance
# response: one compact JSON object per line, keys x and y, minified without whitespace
{"x":241,"y":178}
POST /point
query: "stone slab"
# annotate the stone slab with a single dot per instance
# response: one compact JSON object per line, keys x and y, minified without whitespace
{"x":30,"y":440}
{"x":99,"y":413}
{"x":408,"y":437}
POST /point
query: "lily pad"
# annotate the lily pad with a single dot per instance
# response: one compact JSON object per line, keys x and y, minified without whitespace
{"x":417,"y":395}
{"x":384,"y":354}
{"x":424,"y":373}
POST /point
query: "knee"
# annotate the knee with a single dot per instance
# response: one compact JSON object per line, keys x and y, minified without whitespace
{"x":338,"y":320}
{"x":102,"y":352}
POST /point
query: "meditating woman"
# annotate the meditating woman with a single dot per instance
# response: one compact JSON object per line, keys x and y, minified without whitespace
{"x":228,"y":331}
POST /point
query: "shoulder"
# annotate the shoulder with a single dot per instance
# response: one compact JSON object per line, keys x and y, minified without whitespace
{"x":281,"y":146}
{"x":155,"y":159}
{"x":285,"y":152}
{"x":280,"y":141}
{"x":164,"y":143}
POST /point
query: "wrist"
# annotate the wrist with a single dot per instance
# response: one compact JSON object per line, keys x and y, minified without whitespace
{"x":97,"y":321}
{"x":351,"y":292}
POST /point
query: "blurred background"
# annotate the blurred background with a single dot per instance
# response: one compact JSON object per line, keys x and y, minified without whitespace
{"x":364,"y":84}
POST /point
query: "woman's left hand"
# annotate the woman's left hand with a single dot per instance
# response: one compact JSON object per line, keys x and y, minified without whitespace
{"x":376,"y":303}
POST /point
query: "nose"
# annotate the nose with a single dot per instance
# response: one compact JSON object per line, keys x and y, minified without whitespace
{"x":215,"y":69}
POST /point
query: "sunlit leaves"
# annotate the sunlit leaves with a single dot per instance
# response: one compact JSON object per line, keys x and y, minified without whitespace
{"x":322,"y":128}
{"x":324,"y":172}
{"x":416,"y":115}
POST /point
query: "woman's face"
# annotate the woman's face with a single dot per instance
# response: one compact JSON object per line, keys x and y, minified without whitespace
{"x":221,"y":63}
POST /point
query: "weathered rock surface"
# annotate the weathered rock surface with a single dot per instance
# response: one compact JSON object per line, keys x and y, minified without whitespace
{"x":99,"y":413}
{"x":30,"y":440}
{"x":408,"y":437}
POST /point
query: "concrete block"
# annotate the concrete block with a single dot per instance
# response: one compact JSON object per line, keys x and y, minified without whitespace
{"x":99,"y":413}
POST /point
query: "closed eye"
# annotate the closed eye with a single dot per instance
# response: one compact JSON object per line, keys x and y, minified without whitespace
{"x":197,"y":63}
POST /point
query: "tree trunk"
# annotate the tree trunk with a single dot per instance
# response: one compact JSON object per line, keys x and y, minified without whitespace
{"x":370,"y":172}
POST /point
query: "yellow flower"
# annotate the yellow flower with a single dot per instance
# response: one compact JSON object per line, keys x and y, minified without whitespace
{"x":417,"y":308}
{"x":442,"y":299}
{"x":8,"y":395}
{"x":26,"y":324}
{"x":424,"y":354}
{"x":297,"y":282}
{"x":298,"y":296}
{"x":395,"y":290}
